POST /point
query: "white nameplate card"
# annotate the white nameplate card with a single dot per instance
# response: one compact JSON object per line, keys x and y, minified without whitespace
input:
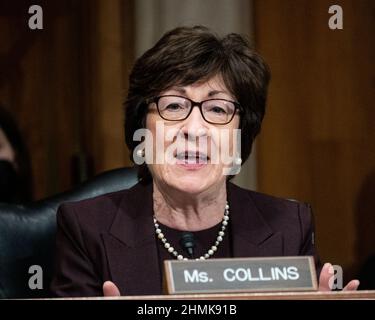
{"x":240,"y":275}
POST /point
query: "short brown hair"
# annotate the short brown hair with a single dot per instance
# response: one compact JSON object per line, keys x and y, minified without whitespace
{"x":186,"y":55}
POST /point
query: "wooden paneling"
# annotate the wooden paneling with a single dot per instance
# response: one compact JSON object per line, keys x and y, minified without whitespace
{"x":112,"y":54}
{"x":38,"y":90}
{"x":318,"y":139}
{"x":65,"y":85}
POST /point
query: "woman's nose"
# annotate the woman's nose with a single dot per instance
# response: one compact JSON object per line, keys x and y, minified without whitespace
{"x":195,"y":125}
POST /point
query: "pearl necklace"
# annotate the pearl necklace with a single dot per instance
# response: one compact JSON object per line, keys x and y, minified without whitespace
{"x":209,"y":253}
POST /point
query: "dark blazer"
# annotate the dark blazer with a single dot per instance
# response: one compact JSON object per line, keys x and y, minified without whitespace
{"x":112,"y":237}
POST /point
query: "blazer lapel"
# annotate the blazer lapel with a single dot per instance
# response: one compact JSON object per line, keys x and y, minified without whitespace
{"x":132,"y":250}
{"x":131,"y":247}
{"x":251,"y":235}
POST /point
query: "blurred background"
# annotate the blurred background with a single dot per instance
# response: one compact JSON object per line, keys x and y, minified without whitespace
{"x":65,"y":84}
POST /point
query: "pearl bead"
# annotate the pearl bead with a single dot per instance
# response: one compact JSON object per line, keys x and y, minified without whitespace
{"x":209,"y":253}
{"x":238,"y":161}
{"x":140,"y":153}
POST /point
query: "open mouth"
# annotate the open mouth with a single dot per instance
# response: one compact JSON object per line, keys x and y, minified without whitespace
{"x":192,"y":157}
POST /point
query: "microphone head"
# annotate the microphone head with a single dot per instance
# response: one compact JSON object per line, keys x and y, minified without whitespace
{"x":187,"y":242}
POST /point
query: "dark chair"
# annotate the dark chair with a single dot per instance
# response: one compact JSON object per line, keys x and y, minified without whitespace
{"x":27,"y":233}
{"x":366,"y":274}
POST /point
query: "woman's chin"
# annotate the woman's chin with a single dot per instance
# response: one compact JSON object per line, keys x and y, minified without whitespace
{"x":191,"y":186}
{"x":193,"y":181}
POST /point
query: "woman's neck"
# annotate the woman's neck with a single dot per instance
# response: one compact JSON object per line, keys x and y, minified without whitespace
{"x":189,"y":212}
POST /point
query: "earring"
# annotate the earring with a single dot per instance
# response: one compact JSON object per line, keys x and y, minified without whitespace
{"x":237,"y":161}
{"x":140,"y":153}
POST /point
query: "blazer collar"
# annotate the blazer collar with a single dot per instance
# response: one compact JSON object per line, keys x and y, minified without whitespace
{"x":251,"y":234}
{"x":247,"y":220}
{"x":133,"y":223}
{"x":132,"y":249}
{"x":135,"y":216}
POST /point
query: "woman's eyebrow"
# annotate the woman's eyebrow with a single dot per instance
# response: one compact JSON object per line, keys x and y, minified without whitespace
{"x":215,"y":92}
{"x":178,"y":89}
{"x":211,"y":93}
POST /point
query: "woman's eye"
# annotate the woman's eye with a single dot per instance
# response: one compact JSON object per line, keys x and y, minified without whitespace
{"x":217,"y":110}
{"x":173,"y":106}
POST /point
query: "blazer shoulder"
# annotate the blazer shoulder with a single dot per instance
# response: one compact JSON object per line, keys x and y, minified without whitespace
{"x":93,"y":213}
{"x":263,"y":199}
{"x":294,"y":219}
{"x":99,"y":212}
{"x":276,"y":202}
{"x":96,"y":201}
{"x":277,"y":210}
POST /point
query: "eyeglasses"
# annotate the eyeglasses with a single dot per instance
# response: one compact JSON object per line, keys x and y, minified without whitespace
{"x":177,"y":108}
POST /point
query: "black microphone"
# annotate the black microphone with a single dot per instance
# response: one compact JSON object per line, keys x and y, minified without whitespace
{"x":188,"y":243}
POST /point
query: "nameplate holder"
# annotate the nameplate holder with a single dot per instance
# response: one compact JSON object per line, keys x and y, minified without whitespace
{"x":269,"y":274}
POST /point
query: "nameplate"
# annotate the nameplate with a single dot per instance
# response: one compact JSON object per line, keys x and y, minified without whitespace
{"x":240,"y":275}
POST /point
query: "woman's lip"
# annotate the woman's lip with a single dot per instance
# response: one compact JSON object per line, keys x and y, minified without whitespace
{"x":200,"y":155}
{"x":191,"y":165}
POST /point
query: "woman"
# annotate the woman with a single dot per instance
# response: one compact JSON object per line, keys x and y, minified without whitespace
{"x":186,"y":91}
{"x":15,"y":169}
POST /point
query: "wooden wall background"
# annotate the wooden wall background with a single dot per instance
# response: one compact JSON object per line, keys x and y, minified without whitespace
{"x":66,"y":83}
{"x":318,"y":139}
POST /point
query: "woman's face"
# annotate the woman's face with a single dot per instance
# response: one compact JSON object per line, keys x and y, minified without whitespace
{"x":6,"y":150}
{"x":194,"y":150}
